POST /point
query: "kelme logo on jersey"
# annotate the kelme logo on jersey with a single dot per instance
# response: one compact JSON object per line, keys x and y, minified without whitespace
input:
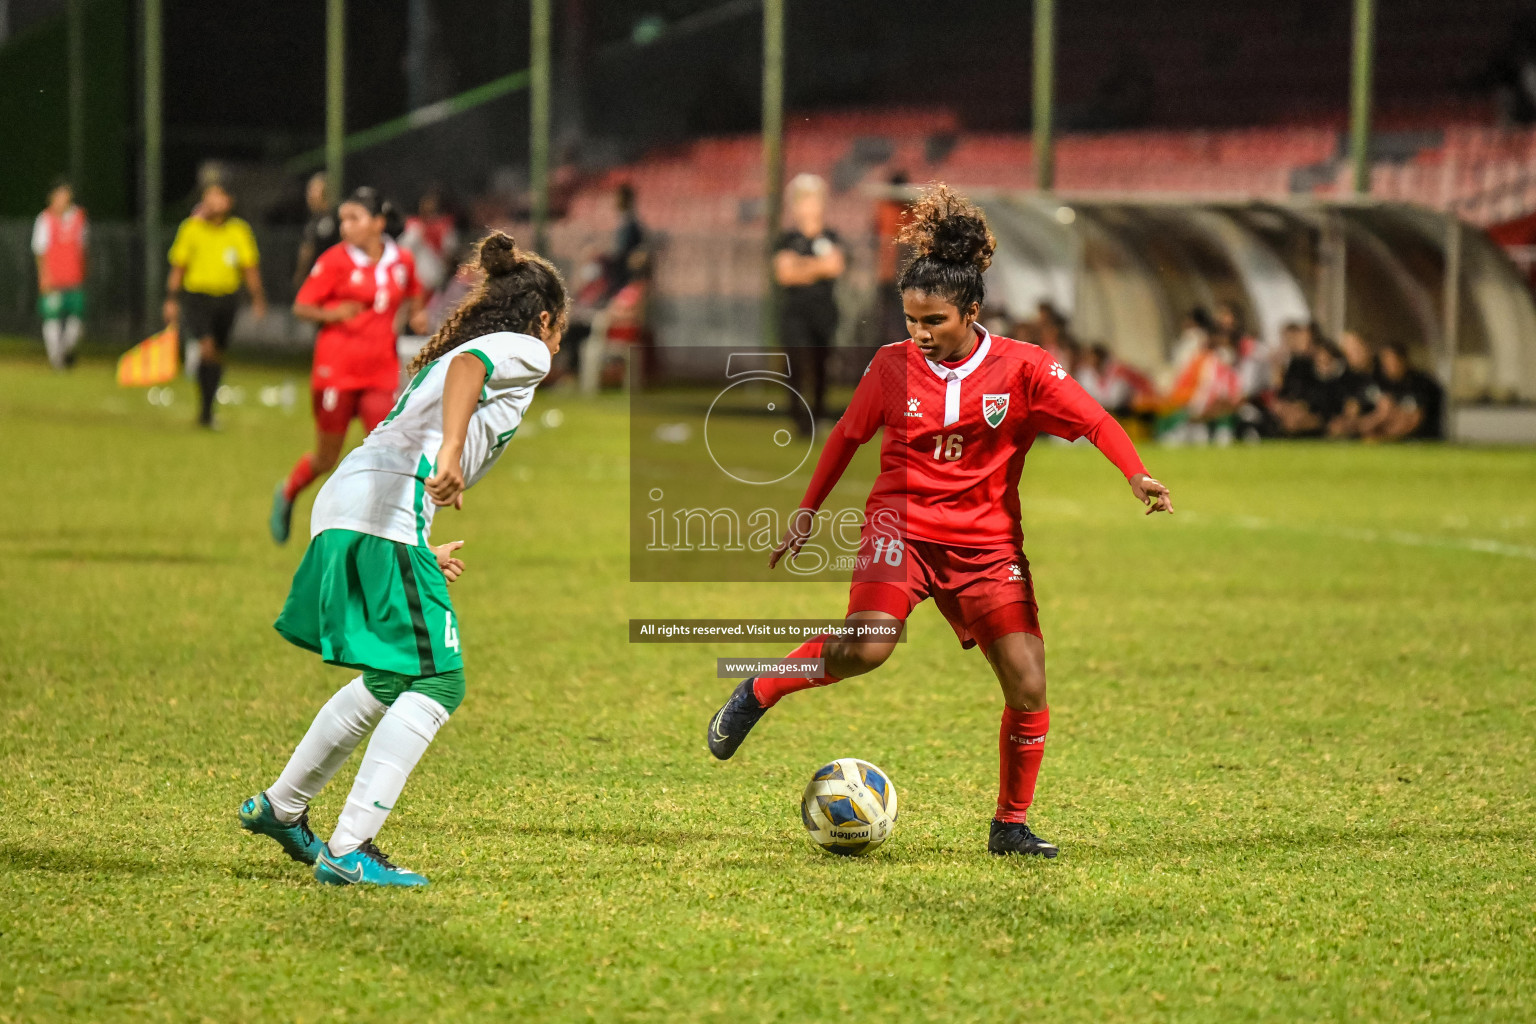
{"x":912,"y":408}
{"x":994,"y":408}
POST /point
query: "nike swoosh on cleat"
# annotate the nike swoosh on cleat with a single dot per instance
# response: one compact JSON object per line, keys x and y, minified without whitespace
{"x":344,"y":873}
{"x":381,"y":806}
{"x":714,"y":727}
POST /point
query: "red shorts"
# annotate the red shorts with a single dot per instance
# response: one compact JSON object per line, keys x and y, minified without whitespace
{"x":984,"y":593}
{"x":335,"y":408}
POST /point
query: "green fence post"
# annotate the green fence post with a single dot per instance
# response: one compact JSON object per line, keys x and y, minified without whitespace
{"x":1044,"y":94}
{"x":153,"y":183}
{"x":538,"y":121}
{"x":773,"y":156}
{"x":335,"y":95}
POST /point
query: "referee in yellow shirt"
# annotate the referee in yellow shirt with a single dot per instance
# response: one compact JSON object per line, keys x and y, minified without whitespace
{"x":213,"y":255}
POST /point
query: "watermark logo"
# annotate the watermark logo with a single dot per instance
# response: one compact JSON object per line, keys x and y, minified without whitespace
{"x":721,"y":452}
{"x":760,"y":381}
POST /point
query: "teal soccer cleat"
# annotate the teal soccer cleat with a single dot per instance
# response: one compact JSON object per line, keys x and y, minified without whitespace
{"x":365,"y":865}
{"x":281,"y":520}
{"x":295,"y":837}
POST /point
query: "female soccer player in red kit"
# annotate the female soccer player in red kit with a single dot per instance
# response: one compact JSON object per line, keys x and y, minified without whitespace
{"x":960,"y":409}
{"x":355,"y":292}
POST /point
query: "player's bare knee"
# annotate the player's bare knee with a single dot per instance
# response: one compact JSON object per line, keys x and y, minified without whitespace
{"x":854,"y":658}
{"x":1018,"y":661}
{"x":1025,"y":692}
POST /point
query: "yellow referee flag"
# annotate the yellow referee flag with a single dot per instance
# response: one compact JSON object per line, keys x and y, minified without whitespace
{"x":150,"y":362}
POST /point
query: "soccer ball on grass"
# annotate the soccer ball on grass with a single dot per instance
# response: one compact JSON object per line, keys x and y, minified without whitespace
{"x":849,"y":808}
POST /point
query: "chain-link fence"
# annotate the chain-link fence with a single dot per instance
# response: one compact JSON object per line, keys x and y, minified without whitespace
{"x":708,"y":288}
{"x":115,"y":284}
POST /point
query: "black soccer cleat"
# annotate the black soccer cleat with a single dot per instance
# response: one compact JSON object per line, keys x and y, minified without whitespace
{"x":734,"y":720}
{"x":1010,"y":837}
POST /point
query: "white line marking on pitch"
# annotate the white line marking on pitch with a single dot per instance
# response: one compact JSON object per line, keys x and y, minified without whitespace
{"x":1481,"y":545}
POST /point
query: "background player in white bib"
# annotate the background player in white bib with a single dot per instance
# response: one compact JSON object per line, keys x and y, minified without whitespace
{"x":60,"y":237}
{"x":372,"y":593}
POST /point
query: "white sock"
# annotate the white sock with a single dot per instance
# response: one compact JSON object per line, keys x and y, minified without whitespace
{"x":335,"y":732}
{"x":71,"y":336}
{"x":192,"y":355}
{"x":53,"y":342}
{"x":397,"y":744}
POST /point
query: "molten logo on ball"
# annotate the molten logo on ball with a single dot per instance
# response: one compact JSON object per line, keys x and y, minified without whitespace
{"x":849,"y":808}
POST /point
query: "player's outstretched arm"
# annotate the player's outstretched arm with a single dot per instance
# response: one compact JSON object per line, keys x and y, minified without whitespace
{"x":858,"y":424}
{"x":1152,"y":493}
{"x":835,"y":456}
{"x":1061,"y":407}
{"x":1111,"y":439}
{"x":461,"y":393}
{"x":800,"y":522}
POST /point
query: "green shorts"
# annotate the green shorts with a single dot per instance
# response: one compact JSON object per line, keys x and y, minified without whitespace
{"x":58,"y":305}
{"x":370,"y":603}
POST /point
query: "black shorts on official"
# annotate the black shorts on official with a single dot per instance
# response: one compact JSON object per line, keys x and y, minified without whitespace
{"x":208,"y":316}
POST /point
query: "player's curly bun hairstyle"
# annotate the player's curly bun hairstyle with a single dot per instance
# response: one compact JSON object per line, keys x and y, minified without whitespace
{"x":516,"y":286}
{"x":952,"y":246}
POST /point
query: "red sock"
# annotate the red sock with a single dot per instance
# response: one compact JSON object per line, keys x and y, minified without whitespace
{"x":768,"y":691}
{"x":1020,"y":746}
{"x":302,"y":476}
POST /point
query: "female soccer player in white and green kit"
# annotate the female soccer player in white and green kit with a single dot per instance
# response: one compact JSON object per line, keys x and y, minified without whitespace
{"x":372,"y":594}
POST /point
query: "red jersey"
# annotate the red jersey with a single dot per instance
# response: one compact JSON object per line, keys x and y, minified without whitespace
{"x":435,"y":231}
{"x":359,"y":353}
{"x":59,"y":241}
{"x":956,"y":436}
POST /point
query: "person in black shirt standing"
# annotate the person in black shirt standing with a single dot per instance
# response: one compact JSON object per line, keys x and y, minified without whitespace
{"x":321,"y":231}
{"x":629,"y":237}
{"x":807,"y":264}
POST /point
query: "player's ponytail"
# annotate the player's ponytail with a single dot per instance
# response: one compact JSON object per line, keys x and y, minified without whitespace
{"x":952,"y":248}
{"x":516,"y":287}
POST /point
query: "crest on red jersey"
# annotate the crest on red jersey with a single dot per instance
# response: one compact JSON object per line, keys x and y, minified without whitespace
{"x":994,"y":408}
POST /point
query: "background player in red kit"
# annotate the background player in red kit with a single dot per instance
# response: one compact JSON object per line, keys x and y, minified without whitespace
{"x":960,"y":409}
{"x":355,"y":292}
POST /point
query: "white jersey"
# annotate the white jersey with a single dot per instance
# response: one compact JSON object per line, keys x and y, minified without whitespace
{"x":380,"y":487}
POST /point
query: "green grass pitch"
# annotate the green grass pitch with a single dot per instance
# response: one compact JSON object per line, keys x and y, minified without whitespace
{"x":1291,"y":766}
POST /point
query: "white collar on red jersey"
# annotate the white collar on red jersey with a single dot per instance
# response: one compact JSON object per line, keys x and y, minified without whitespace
{"x":966,"y":368}
{"x":953,"y":375}
{"x":390,"y":255}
